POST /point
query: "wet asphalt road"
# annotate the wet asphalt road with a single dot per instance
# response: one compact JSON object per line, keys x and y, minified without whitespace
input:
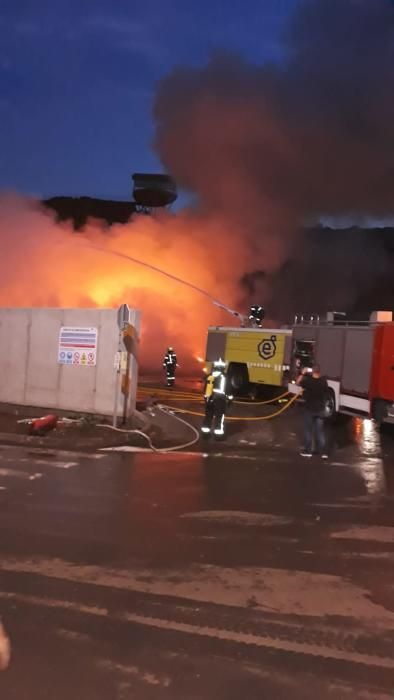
{"x":228,"y":572}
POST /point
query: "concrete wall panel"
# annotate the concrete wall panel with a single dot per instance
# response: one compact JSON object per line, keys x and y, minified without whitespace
{"x":31,"y":374}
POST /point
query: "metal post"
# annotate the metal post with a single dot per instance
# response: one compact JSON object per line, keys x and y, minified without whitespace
{"x":117,"y":382}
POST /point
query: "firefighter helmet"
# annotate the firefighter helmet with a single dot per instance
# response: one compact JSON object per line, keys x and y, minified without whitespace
{"x":219,"y":364}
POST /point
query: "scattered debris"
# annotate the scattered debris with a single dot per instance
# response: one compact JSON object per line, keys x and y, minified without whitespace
{"x":40,"y":426}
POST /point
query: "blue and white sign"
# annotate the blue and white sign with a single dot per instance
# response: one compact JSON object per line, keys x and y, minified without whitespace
{"x":77,"y":346}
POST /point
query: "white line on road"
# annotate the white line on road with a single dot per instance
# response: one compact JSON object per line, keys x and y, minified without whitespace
{"x":17,"y":474}
{"x":205,"y":455}
{"x":57,"y":465}
{"x":259,"y":640}
{"x":42,"y":462}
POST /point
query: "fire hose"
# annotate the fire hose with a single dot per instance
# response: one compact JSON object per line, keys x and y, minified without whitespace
{"x":181,"y":396}
{"x":239,"y":418}
{"x":170,"y":410}
{"x":148,"y":439}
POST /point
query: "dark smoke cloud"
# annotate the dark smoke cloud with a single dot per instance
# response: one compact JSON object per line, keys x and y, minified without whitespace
{"x":269,"y":148}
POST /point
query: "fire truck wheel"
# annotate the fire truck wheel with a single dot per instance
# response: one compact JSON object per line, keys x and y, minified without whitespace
{"x":238,"y":377}
{"x":330,"y":407}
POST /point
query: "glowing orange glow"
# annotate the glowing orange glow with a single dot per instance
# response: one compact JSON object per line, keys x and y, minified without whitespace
{"x":46,"y":264}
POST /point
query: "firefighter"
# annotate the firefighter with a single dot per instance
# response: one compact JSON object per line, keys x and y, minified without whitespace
{"x":256,"y":316}
{"x":170,"y":364}
{"x":216,"y":398}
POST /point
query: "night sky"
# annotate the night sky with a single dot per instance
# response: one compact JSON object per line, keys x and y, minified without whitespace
{"x":78,"y":79}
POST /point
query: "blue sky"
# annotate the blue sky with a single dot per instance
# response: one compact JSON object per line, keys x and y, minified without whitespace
{"x":77,"y":82}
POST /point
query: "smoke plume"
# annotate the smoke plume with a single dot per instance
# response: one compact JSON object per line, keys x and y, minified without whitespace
{"x":270,"y":148}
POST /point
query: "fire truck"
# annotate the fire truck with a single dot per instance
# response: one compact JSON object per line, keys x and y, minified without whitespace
{"x":254,"y":356}
{"x":356,"y":357}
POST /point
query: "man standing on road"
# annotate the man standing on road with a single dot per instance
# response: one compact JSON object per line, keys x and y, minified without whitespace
{"x":315,"y":389}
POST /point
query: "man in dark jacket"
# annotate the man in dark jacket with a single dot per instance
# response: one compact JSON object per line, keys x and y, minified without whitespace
{"x":315,"y":391}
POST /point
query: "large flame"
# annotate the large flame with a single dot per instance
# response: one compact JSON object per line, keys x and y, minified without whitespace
{"x":47,"y":264}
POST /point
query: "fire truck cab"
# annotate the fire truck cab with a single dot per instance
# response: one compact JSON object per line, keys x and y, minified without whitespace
{"x":356,"y":357}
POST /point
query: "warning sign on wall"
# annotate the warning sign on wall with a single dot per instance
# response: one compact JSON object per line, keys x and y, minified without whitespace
{"x":77,"y":346}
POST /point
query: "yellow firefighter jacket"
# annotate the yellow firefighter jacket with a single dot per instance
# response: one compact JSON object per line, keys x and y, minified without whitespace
{"x":209,"y":386}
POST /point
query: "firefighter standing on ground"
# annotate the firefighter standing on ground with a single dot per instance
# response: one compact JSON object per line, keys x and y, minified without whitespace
{"x":216,"y":398}
{"x":170,"y":364}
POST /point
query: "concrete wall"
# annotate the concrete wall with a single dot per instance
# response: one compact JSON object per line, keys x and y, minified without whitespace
{"x":30,"y":374}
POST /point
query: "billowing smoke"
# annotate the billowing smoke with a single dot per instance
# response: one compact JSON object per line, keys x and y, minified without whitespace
{"x":271,"y":148}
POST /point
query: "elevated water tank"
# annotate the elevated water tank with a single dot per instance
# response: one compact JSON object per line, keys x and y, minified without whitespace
{"x":153,"y":190}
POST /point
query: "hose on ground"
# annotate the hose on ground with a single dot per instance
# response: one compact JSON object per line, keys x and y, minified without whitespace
{"x":148,"y":439}
{"x":239,"y":418}
{"x":178,"y":396}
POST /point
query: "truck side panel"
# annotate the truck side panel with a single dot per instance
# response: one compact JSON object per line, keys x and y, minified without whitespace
{"x":382,"y":380}
{"x":329,"y":351}
{"x":263,"y":352}
{"x":357,"y":361}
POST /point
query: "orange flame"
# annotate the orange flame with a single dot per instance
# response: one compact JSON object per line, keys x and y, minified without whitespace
{"x":45,"y":264}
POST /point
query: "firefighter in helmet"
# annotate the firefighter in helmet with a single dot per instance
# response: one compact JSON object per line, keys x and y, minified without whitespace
{"x":256,"y":316}
{"x":170,"y":364}
{"x":217,"y":398}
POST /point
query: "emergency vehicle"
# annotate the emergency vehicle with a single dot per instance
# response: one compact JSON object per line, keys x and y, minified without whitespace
{"x":357,"y":359}
{"x":253,"y":355}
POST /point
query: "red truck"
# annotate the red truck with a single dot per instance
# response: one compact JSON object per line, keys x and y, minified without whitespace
{"x":356,"y":357}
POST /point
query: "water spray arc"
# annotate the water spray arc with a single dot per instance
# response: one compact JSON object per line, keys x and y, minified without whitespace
{"x":169,"y":275}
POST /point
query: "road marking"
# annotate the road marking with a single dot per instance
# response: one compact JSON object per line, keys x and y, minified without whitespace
{"x":41,"y":462}
{"x":374,"y":533}
{"x":249,"y":639}
{"x":238,"y":517}
{"x":288,"y":591}
{"x":16,"y":474}
{"x":57,"y":465}
{"x":205,"y":455}
{"x":49,"y":452}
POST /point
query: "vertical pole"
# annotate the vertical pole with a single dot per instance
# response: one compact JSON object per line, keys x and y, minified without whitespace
{"x":117,"y":382}
{"x":134,"y":362}
{"x":127,"y":393}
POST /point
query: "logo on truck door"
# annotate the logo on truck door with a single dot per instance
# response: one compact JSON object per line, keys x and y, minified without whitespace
{"x":267,"y":348}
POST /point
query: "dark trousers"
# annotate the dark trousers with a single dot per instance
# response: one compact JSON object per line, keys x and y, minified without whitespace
{"x":215,"y":410}
{"x":170,"y":372}
{"x":314,"y":432}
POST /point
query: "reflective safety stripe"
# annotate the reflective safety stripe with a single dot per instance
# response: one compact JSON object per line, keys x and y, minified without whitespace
{"x":220,"y":430}
{"x":205,"y":430}
{"x":221,"y":388}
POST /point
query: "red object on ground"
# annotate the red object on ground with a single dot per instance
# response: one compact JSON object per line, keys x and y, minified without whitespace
{"x":44,"y":424}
